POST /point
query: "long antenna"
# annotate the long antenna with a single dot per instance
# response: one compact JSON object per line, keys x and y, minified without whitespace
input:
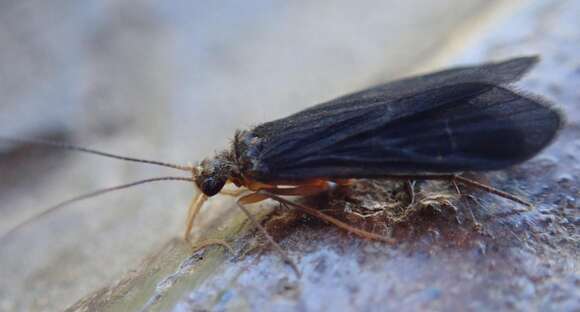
{"x":87,"y":196}
{"x":76,"y":148}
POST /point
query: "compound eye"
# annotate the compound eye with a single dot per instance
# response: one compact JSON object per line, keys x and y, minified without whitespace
{"x":212,"y":186}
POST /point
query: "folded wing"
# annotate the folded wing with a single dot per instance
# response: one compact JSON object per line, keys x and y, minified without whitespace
{"x":440,"y":128}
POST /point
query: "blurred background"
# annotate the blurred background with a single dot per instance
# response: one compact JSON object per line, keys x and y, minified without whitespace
{"x":172,"y":81}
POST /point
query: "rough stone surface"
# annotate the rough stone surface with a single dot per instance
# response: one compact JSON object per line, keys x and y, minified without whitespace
{"x":443,"y":259}
{"x":510,"y":260}
{"x":168,"y":81}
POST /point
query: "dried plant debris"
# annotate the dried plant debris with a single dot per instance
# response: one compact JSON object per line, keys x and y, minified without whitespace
{"x":393,"y":202}
{"x":373,"y":205}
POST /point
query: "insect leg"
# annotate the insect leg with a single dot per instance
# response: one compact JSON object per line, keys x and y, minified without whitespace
{"x":456,"y":186}
{"x":301,"y":190}
{"x":467,"y":182}
{"x":327,"y":218}
{"x":213,"y":241}
{"x":410,"y":184}
{"x":254,"y":198}
{"x":234,"y":193}
{"x":196,"y":204}
{"x":194,"y":207}
{"x":344,"y":182}
{"x":471,"y":183}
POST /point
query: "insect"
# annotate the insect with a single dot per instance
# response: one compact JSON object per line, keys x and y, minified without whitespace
{"x":432,"y":126}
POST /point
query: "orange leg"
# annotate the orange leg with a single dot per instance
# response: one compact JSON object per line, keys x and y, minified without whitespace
{"x":471,"y":183}
{"x":256,"y":186}
{"x":344,"y":182}
{"x":234,"y":193}
{"x":266,"y":191}
{"x":254,"y":198}
{"x":213,"y":241}
{"x":301,"y":190}
{"x":193,"y":210}
{"x":466,"y":182}
{"x":316,"y":213}
{"x":309,"y":190}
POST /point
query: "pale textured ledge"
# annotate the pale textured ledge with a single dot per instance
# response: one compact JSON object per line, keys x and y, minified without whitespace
{"x":518,"y":260}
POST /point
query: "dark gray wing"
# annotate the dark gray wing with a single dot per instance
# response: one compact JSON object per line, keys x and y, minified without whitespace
{"x":440,"y":127}
{"x":491,"y":73}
